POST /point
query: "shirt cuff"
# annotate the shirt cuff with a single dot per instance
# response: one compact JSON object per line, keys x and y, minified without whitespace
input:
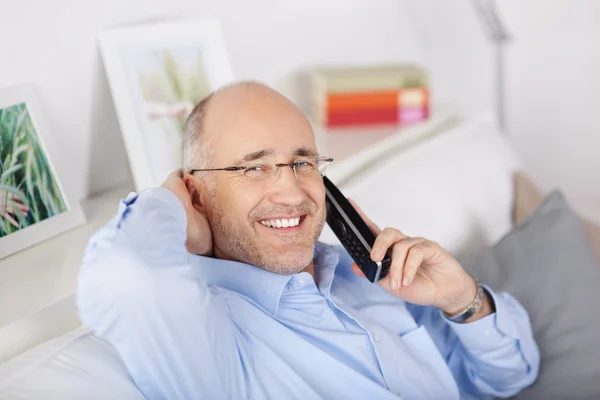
{"x":487,"y":332}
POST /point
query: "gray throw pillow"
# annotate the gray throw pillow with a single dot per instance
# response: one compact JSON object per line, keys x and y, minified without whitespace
{"x":547,"y":264}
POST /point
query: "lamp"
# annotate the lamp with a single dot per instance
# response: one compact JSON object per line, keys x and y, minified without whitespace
{"x":487,"y":13}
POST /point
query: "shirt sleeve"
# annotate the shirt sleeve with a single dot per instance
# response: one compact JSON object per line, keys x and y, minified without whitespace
{"x":494,"y":356}
{"x":138,"y":291}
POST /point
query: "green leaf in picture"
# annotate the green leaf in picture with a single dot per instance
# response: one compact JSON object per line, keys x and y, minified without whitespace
{"x":12,"y":190}
{"x":21,"y":219}
{"x":17,"y":152}
{"x":58,"y":197}
{"x":44,"y":194}
{"x":30,"y":185}
{"x":49,"y":195}
{"x":23,"y":115}
{"x":10,"y":171}
{"x":8,"y":160}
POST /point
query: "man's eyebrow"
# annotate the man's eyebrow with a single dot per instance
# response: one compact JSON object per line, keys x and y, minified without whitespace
{"x":305,"y":152}
{"x":255,"y":155}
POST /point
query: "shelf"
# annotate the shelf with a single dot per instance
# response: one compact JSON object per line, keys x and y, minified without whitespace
{"x":45,"y":273}
{"x":356,"y":148}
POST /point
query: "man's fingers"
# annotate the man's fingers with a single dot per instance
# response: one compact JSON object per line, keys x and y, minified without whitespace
{"x":415,"y":258}
{"x":400,"y":254}
{"x":384,"y":241}
{"x":372,"y":225}
{"x":177,"y":173}
{"x":407,"y":254}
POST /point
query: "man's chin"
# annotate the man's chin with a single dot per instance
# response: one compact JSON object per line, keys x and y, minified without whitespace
{"x":288,"y":258}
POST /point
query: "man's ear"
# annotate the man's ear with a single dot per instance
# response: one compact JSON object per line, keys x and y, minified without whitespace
{"x":198,"y":193}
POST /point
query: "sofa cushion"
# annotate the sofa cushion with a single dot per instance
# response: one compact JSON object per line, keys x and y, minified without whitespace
{"x":547,"y":264}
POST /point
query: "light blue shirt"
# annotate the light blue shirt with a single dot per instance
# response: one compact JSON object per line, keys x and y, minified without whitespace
{"x":192,"y":327}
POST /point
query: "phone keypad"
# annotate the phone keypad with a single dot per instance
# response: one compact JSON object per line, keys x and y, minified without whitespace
{"x":351,"y":242}
{"x":355,"y":249}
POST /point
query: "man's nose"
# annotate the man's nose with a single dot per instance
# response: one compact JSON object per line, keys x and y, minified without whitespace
{"x":286,"y":188}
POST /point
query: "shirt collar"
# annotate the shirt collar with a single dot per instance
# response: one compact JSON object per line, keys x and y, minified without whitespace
{"x":326,"y":259}
{"x":262,"y":286}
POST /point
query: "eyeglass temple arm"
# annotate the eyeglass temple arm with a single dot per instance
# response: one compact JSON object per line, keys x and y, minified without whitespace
{"x":218,"y":169}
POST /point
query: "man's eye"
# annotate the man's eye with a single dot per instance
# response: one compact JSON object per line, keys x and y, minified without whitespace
{"x":256,"y":172}
{"x":304,"y":167}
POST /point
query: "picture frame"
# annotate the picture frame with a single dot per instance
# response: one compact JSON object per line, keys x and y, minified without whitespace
{"x":157,"y":72}
{"x":36,"y":197}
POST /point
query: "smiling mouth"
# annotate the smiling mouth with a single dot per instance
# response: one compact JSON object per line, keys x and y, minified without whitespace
{"x":282,"y":223}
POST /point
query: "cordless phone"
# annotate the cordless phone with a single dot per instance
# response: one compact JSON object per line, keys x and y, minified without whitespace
{"x":353,"y":232}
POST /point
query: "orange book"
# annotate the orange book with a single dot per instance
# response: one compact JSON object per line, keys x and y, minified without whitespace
{"x":362,"y":100}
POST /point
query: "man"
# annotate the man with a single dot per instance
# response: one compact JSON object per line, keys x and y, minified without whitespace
{"x":213,"y":286}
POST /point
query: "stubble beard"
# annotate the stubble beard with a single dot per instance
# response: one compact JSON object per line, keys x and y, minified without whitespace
{"x":242,"y":243}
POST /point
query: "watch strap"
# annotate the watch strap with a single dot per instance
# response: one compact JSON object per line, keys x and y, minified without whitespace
{"x":471,"y":309}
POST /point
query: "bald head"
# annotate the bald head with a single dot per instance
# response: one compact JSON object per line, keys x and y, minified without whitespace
{"x":248,"y":124}
{"x":242,"y":107}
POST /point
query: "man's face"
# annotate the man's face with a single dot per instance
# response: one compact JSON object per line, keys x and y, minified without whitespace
{"x":265,"y":129}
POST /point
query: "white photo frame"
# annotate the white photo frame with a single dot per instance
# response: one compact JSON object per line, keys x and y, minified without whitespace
{"x":36,"y":197}
{"x":157,"y":72}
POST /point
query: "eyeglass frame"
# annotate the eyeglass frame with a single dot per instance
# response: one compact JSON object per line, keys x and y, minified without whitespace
{"x":276,"y":167}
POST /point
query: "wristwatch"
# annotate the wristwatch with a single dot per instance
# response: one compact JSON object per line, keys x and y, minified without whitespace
{"x":471,"y":309}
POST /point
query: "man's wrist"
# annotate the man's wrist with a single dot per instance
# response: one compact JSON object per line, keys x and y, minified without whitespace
{"x":463,"y":300}
{"x":487,"y":307}
{"x":481,"y":306}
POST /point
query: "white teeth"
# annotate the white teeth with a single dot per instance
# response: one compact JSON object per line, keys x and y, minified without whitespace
{"x":281,"y":223}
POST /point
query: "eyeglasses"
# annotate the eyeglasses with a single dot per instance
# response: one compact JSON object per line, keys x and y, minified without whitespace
{"x":303,"y":167}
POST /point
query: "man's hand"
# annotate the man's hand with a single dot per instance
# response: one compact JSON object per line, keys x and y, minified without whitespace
{"x":422,"y":272}
{"x":199,"y":233}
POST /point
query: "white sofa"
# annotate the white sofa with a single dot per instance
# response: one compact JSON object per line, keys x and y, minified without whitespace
{"x":448,"y":180}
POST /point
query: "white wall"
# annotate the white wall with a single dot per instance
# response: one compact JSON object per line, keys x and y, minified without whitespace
{"x":552,"y":67}
{"x":456,"y":49}
{"x":52,"y":44}
{"x":552,"y":82}
{"x":554,"y":94}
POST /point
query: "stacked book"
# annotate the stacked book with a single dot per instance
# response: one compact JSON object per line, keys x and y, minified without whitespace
{"x":387,"y":95}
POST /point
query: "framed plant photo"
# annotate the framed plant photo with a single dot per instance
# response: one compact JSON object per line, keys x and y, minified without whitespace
{"x":35,"y":199}
{"x":157,"y":73}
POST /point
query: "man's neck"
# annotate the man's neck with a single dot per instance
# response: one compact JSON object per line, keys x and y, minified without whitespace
{"x":310,"y":268}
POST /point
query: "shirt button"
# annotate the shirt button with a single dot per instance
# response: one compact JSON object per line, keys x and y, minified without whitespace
{"x":487,"y":332}
{"x":376,"y":337}
{"x":302,"y":282}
